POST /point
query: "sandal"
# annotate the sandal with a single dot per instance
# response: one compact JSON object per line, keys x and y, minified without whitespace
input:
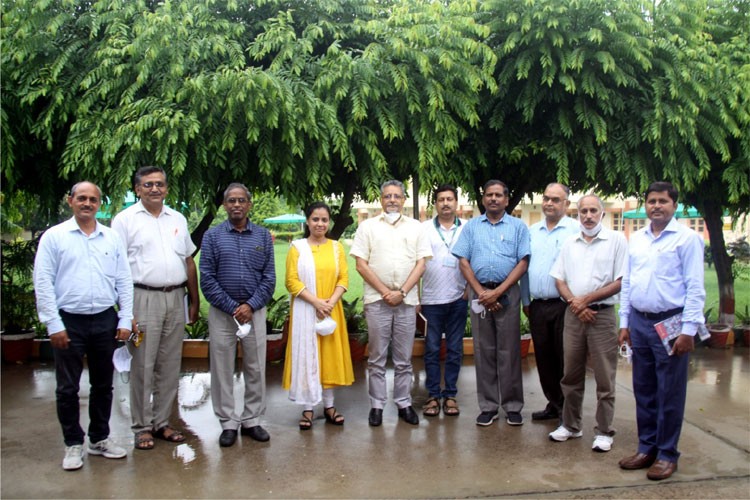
{"x":144,"y":440}
{"x":170,"y":434}
{"x":333,"y":417}
{"x":431,"y":408}
{"x":305,"y":423}
{"x":450,"y":407}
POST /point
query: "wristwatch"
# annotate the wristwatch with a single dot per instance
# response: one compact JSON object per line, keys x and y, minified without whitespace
{"x":403,"y":293}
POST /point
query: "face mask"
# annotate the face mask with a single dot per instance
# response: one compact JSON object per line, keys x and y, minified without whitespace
{"x":591,"y":232}
{"x":243,"y":330}
{"x":392,"y":217}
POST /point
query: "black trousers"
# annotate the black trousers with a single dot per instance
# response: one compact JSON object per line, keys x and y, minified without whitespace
{"x":92,"y":335}
{"x":546,"y":320}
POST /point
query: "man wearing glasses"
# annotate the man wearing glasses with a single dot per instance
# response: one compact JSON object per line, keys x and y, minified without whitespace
{"x":391,"y":250}
{"x":238,"y":280}
{"x":161,"y":263}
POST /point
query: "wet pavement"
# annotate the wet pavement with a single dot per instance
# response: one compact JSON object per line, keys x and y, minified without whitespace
{"x":443,"y":457}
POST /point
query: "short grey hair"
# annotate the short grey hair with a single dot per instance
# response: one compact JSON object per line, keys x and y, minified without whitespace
{"x":393,"y":182}
{"x":78,"y":184}
{"x":561,"y":186}
{"x":237,"y":185}
{"x":596,"y":197}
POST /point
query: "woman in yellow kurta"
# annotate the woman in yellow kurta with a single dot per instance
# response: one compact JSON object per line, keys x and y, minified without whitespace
{"x":317,"y":277}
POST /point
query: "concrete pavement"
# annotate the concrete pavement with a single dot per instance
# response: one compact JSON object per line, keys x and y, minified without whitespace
{"x":443,"y":457}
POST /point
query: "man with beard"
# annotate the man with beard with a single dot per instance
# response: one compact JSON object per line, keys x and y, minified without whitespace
{"x":493,"y":251}
{"x":238,"y":279}
{"x":588,"y":273}
{"x":391,"y":250}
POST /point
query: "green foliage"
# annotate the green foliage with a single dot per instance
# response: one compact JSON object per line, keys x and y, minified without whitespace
{"x":18,"y":304}
{"x":278,"y":311}
{"x":198,"y":330}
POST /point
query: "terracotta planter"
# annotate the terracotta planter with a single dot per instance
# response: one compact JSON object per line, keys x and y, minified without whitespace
{"x":195,"y":348}
{"x":17,"y":347}
{"x":719,"y":335}
{"x":43,"y":350}
{"x":525,"y":345}
{"x":357,"y":349}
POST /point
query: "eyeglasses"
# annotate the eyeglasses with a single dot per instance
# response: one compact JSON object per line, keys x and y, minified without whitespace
{"x":232,"y":201}
{"x":83,"y":199}
{"x":392,"y":196}
{"x":158,"y":184}
{"x":553,"y":200}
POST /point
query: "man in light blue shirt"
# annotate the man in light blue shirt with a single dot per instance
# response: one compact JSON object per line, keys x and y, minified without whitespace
{"x":80,"y":273}
{"x":541,"y":300}
{"x":493,"y":252}
{"x":663,"y":278}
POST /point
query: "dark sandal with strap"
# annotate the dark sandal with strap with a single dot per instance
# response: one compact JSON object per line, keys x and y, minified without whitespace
{"x":144,"y":440}
{"x":173,"y":437}
{"x":431,"y":408}
{"x":305,"y":423}
{"x":333,"y":417}
{"x":450,"y":407}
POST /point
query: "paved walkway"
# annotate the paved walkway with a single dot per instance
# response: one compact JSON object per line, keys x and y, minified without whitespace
{"x":444,"y":457}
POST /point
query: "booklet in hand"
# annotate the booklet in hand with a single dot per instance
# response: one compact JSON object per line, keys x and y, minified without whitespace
{"x":671,"y":328}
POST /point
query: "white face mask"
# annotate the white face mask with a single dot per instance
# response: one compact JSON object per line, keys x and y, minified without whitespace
{"x":392,"y":217}
{"x":591,"y":232}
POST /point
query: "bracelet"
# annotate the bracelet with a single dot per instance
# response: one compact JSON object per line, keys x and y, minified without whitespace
{"x":403,"y":293}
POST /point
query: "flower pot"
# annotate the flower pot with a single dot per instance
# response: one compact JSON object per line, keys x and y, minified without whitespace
{"x":525,"y":345}
{"x":17,"y":347}
{"x":357,"y":349}
{"x":719,"y":335}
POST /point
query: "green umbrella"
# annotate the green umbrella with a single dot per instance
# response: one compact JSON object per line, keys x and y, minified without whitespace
{"x":285,"y":219}
{"x":640,"y":213}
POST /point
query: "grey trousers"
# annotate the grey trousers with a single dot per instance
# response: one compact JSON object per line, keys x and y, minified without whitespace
{"x":598,"y":341}
{"x":155,"y":368}
{"x":497,"y":356}
{"x":223,"y":353}
{"x":394,"y":326}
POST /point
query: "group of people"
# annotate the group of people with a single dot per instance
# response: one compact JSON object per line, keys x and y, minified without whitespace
{"x":564,"y":275}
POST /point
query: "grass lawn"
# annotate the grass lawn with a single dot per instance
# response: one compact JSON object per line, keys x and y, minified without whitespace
{"x":741,"y":288}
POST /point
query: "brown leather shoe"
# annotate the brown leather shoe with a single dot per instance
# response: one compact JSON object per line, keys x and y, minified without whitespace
{"x":661,"y":469}
{"x":637,"y":461}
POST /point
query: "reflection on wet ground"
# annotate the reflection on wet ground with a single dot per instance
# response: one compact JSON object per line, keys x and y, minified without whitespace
{"x":442,"y":457}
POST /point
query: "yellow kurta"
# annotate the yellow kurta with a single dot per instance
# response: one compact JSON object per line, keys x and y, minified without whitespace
{"x":333,"y":350}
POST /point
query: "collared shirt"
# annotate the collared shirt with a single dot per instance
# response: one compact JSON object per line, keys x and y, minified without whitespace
{"x":545,"y":247}
{"x":586,"y":267}
{"x":81,"y":274}
{"x":663,"y":273}
{"x":391,"y":251}
{"x":493,"y":250}
{"x":442,"y":281}
{"x":237,"y":267}
{"x":157,"y":246}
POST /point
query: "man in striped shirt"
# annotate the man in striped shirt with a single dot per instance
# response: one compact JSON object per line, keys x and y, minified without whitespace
{"x":238,"y":280}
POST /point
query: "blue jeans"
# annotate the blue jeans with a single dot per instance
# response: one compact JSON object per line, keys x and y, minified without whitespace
{"x":451,"y":320}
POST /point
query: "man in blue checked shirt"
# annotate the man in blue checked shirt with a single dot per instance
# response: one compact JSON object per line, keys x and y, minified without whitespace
{"x":238,"y":280}
{"x":81,"y":272}
{"x":493,"y":252}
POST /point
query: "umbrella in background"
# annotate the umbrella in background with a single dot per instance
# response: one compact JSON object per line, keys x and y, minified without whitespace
{"x":287,"y":219}
{"x":104,"y":212}
{"x":640,"y":213}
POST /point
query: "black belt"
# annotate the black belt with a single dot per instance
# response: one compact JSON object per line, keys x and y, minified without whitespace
{"x":160,"y":288}
{"x":549,"y":301}
{"x":660,"y":316}
{"x":599,"y":307}
{"x":490,"y":285}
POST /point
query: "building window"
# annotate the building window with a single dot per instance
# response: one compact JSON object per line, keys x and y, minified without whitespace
{"x":639,"y":224}
{"x":696,"y":225}
{"x":617,"y":222}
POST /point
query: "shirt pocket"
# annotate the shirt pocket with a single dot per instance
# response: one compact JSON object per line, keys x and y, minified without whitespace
{"x":509,"y":246}
{"x":179,"y":246}
{"x":668,"y":264}
{"x":105,"y":258}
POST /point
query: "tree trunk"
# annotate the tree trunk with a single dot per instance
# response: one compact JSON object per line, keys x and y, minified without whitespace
{"x":205,"y":223}
{"x":344,"y":219}
{"x":713,"y":216}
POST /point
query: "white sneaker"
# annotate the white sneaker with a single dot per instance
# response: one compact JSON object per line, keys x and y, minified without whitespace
{"x":73,"y":457}
{"x":107,"y":448}
{"x":562,"y":434}
{"x":602,"y":443}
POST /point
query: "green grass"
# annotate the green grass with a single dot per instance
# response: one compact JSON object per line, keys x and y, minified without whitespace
{"x":741,"y":287}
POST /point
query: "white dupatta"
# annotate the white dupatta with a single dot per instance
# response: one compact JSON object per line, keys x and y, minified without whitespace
{"x":305,"y":388}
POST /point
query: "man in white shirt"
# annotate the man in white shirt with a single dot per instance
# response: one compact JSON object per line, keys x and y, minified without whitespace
{"x":542,"y":303}
{"x":391,"y":250}
{"x":80,"y":273}
{"x":443,"y":304}
{"x":588,"y":273}
{"x":161,"y":262}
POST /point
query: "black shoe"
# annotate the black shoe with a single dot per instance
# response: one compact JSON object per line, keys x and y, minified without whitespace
{"x":408,"y":415}
{"x":256,"y":432}
{"x":546,"y":414}
{"x":376,"y":417}
{"x":227,"y":438}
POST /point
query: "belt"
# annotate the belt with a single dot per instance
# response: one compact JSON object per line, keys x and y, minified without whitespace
{"x":160,"y":288}
{"x":599,"y":307}
{"x":660,"y":316}
{"x":490,"y":284}
{"x":549,"y":301}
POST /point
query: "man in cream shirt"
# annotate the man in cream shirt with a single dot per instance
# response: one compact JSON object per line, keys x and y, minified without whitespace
{"x":390,"y":251}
